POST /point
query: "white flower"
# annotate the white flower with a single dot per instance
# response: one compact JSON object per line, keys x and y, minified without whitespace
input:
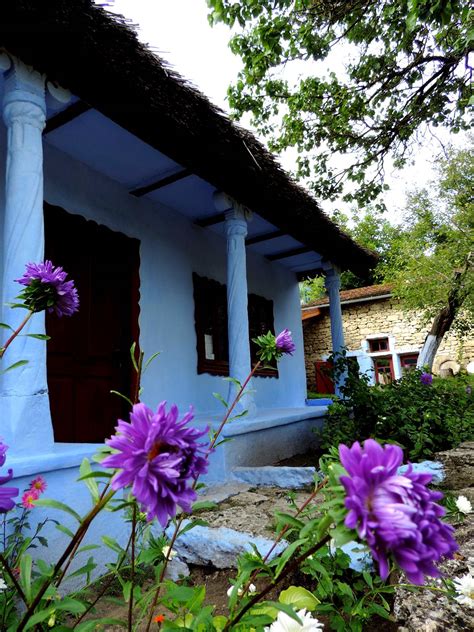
{"x":172,"y":552}
{"x":3,"y":585}
{"x":284,"y":623}
{"x":464,"y":505}
{"x":464,"y":586}
{"x":251,"y":589}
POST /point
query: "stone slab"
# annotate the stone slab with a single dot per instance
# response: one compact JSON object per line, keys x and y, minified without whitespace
{"x":269,"y":476}
{"x":435,"y":468}
{"x":220,"y":547}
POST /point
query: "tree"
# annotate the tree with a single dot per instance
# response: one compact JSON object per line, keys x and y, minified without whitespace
{"x":406,"y":70}
{"x":431,"y":261}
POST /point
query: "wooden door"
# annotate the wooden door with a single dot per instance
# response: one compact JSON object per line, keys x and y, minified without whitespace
{"x":324,"y":381}
{"x":88,"y":354}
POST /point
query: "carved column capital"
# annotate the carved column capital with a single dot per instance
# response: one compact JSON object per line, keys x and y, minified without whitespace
{"x":235,"y":224}
{"x":332,"y":280}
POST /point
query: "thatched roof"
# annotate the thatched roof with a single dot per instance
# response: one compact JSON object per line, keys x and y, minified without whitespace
{"x":98,"y":57}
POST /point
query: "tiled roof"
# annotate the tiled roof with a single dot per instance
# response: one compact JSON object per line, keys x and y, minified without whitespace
{"x":358,"y":293}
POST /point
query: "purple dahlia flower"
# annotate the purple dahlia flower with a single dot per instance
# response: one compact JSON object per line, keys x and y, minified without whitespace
{"x":396,"y":514}
{"x":7,"y":494}
{"x":47,"y":288}
{"x":284,"y":342}
{"x":158,"y":457}
{"x":426,"y":378}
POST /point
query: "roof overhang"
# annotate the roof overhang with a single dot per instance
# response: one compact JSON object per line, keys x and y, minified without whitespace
{"x":189,"y":148}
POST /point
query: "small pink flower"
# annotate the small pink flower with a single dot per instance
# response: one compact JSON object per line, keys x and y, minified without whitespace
{"x":38,"y":485}
{"x":28,"y":497}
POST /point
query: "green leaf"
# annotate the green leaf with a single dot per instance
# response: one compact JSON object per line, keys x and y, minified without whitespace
{"x":127,"y":399}
{"x":65,"y":530}
{"x":17,"y":305}
{"x":54,"y":504}
{"x":234,"y":381}
{"x":112,"y":544}
{"x":286,"y":608}
{"x":285,"y":556}
{"x":37,"y":336}
{"x":219,"y":398}
{"x":38,"y":617}
{"x":26,"y":564}
{"x":96,"y":474}
{"x":74,"y":606}
{"x":201,"y":505}
{"x":96,"y":624}
{"x":85,"y":470}
{"x":16,"y":365}
{"x":5,"y":326}
{"x":191,"y":524}
{"x":299,"y":598}
{"x":132,"y":356}
{"x":150,"y":360}
{"x":87,"y":547}
{"x":219,"y":622}
{"x":84,"y":570}
{"x":285,"y":519}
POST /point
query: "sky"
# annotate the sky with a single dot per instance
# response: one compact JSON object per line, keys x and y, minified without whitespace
{"x":178,"y":31}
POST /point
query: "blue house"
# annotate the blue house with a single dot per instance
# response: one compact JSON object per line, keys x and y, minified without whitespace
{"x":181,"y":232}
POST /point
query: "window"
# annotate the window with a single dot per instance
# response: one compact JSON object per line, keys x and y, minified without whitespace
{"x":408,"y":362}
{"x":210,"y":315}
{"x":378,"y":344}
{"x":383,"y":368}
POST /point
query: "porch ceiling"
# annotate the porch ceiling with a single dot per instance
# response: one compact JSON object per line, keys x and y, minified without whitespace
{"x":90,"y":137}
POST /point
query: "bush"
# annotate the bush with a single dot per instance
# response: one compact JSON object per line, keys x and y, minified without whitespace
{"x":422,"y":418}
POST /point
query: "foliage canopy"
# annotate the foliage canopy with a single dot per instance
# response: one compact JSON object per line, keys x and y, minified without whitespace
{"x":430,"y":261}
{"x":406,"y":70}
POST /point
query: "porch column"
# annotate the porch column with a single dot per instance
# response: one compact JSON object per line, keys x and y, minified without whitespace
{"x":25,"y":420}
{"x":333,"y":286}
{"x":237,"y":300}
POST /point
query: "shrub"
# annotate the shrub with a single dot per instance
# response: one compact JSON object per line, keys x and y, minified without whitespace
{"x":424,"y":418}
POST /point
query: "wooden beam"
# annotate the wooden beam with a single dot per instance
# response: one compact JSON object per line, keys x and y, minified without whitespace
{"x":66,"y":116}
{"x":210,"y":220}
{"x":162,"y":182}
{"x":265,"y":237}
{"x":289,"y":253}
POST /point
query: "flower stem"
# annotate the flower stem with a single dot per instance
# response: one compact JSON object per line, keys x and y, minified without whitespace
{"x":181,"y":517}
{"x":106,"y":584}
{"x":15,"y":334}
{"x":69,"y":549}
{"x":11,"y":575}
{"x":288,"y":569}
{"x":313,"y":494}
{"x":133,"y":536}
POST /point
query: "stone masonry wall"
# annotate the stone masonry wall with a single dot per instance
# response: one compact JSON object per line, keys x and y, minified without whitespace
{"x":385,"y":317}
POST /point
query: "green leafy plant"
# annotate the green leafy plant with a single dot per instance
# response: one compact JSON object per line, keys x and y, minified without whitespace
{"x":423,"y":419}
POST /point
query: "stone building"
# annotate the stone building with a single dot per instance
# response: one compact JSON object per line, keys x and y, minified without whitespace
{"x":384,"y":338}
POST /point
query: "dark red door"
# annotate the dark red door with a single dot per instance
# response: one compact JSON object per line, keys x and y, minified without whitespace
{"x":88,"y":354}
{"x":324,"y":382}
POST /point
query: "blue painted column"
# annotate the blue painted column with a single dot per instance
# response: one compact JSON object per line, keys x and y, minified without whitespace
{"x":237,"y":300}
{"x":25,"y":421}
{"x":333,"y":286}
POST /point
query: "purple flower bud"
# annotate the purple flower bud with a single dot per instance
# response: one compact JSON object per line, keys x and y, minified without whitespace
{"x":7,"y":494}
{"x":426,"y":378}
{"x":396,"y":514}
{"x":284,"y":342}
{"x":158,"y":456}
